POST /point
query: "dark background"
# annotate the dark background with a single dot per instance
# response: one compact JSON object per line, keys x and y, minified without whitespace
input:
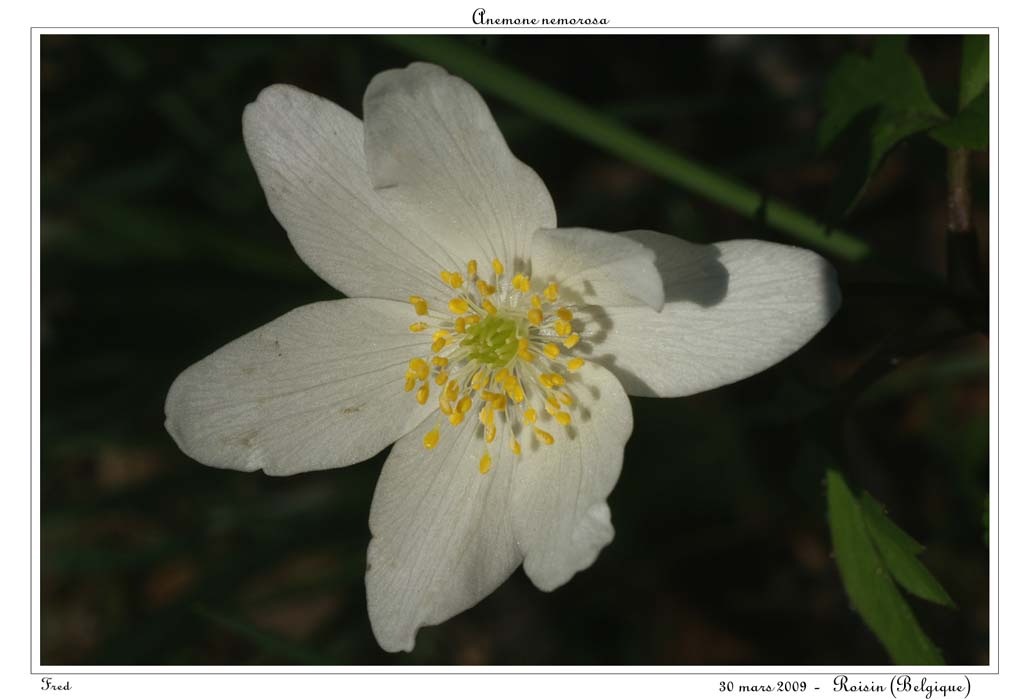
{"x":158,"y":248}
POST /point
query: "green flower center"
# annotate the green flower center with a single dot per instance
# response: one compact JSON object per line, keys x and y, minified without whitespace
{"x":494,"y":340}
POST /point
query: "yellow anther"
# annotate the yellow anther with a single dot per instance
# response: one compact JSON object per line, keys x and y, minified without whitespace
{"x":562,"y":327}
{"x":514,"y":390}
{"x":498,"y":267}
{"x":440,"y":361}
{"x":564,"y":314}
{"x":445,"y":276}
{"x":516,"y":447}
{"x":441,"y":333}
{"x":557,"y":380}
{"x":473,"y":268}
{"x":525,"y":354}
{"x":571,"y":341}
{"x":488,"y":395}
{"x":563,"y":418}
{"x":484,"y":289}
{"x":431,"y":438}
{"x":535,"y":316}
{"x":488,"y":306}
{"x":489,"y":433}
{"x":452,"y":389}
{"x":456,"y":280}
{"x":565,"y":398}
{"x":575,"y":364}
{"x":500,"y":403}
{"x":464,"y":404}
{"x":551,"y":350}
{"x":459,"y":324}
{"x":501,"y":376}
{"x":419,"y":367}
{"x":438,"y":344}
{"x":545,"y":437}
{"x":484,"y":463}
{"x":545,"y":380}
{"x":441,"y":378}
{"x":423,"y":394}
{"x":421,"y":307}
{"x":552,"y":405}
{"x":455,"y":418}
{"x":409,"y":381}
{"x":417,"y":327}
{"x":472,"y":319}
{"x":486,"y":415}
{"x":444,"y":405}
{"x":520,"y":282}
{"x":551,"y":292}
{"x":530,"y":415}
{"x":479,"y":379}
{"x":535,"y":301}
{"x":457,"y":306}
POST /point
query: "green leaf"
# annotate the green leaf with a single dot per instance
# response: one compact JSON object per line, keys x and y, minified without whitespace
{"x":975,"y":68}
{"x":900,"y":552}
{"x":868,"y":584}
{"x":970,"y":128}
{"x":885,"y":97}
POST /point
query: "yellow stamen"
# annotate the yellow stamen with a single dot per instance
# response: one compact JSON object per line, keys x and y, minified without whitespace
{"x":472,"y":319}
{"x":486,"y":415}
{"x":523,"y":349}
{"x":498,"y":267}
{"x":459,"y":324}
{"x":452,"y":389}
{"x":441,"y":378}
{"x":571,"y":341}
{"x":551,"y":292}
{"x":500,"y":403}
{"x":552,"y":405}
{"x":420,"y":367}
{"x":409,"y":381}
{"x":431,"y":438}
{"x":464,"y":404}
{"x":516,"y":447}
{"x":551,"y":351}
{"x":421,"y":307}
{"x":418,"y":327}
{"x":501,"y":376}
{"x":484,"y":463}
{"x":457,"y":306}
{"x":557,"y":380}
{"x":444,"y":405}
{"x":488,"y":305}
{"x":562,"y":327}
{"x":564,"y":314}
{"x":565,"y":398}
{"x":484,"y":289}
{"x":520,"y":282}
{"x":423,"y":394}
{"x":530,"y":415}
{"x":438,"y":344}
{"x":445,"y":276}
{"x":489,"y":433}
{"x":575,"y":364}
{"x":455,"y":418}
{"x":545,"y":437}
{"x":535,"y":301}
{"x":535,"y":316}
{"x":440,"y":361}
{"x":563,"y":418}
{"x":473,"y":268}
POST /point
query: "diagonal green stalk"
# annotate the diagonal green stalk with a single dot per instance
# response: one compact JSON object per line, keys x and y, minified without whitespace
{"x":590,"y":125}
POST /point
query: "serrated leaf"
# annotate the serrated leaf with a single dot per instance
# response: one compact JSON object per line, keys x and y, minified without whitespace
{"x":885,"y":96}
{"x":899,"y":551}
{"x":970,"y":128}
{"x":975,"y":68}
{"x":869,"y":585}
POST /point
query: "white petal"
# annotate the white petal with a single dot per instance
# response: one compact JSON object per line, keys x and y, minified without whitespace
{"x":605,"y":269}
{"x":559,"y":497}
{"x":441,"y":534}
{"x":436,"y":153}
{"x":309,"y":157}
{"x":319,"y":387}
{"x":731,"y":310}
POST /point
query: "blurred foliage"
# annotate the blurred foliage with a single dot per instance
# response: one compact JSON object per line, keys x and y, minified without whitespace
{"x":157,"y":248}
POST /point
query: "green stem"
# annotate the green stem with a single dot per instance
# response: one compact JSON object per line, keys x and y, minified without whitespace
{"x":551,"y":106}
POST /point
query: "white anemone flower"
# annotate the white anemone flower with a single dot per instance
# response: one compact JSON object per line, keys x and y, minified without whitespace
{"x":494,"y":349}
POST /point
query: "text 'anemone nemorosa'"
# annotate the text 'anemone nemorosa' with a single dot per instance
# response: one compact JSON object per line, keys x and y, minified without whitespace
{"x":495,"y":349}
